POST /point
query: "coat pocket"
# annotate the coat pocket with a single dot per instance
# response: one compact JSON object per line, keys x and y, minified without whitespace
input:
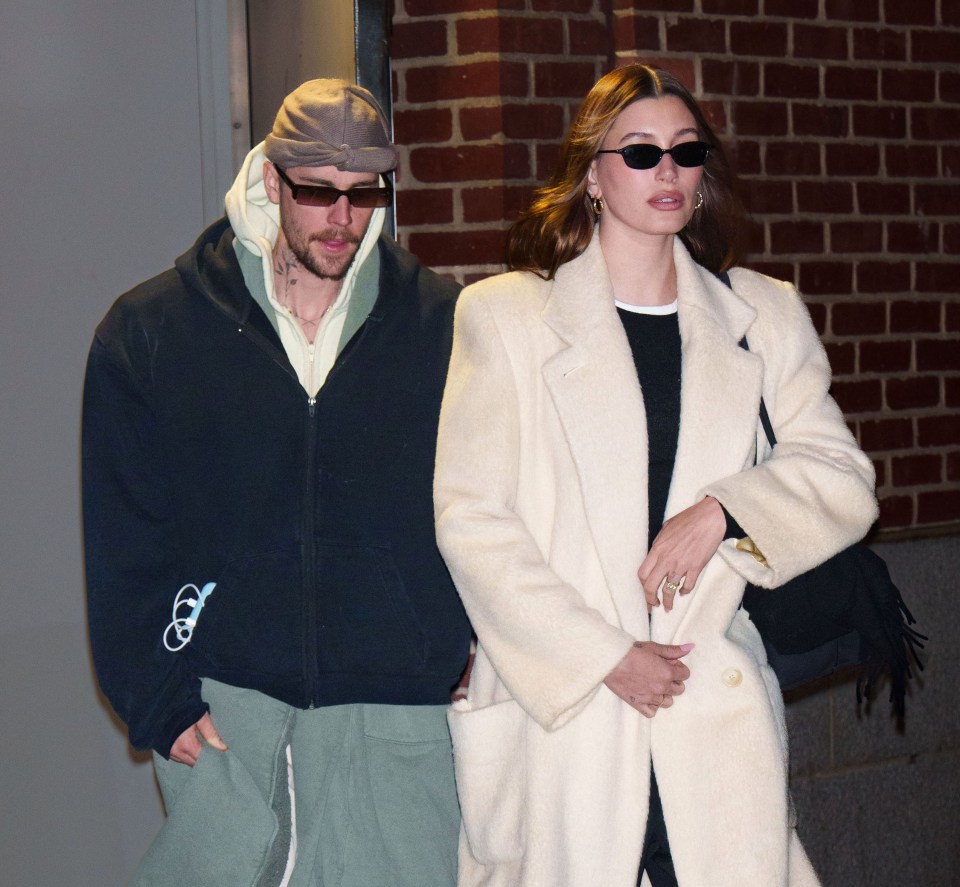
{"x":489,"y":747}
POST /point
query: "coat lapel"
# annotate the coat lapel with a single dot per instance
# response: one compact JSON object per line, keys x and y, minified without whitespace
{"x":719,"y":411}
{"x":593,"y":384}
{"x":720,"y":387}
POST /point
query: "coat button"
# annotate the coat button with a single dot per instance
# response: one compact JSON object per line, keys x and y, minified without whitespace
{"x":732,"y":677}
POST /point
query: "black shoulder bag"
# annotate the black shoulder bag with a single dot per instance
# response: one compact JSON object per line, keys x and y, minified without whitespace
{"x":844,"y":613}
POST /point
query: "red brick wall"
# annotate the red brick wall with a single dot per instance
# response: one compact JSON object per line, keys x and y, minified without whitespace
{"x":844,"y":127}
{"x":483,"y":92}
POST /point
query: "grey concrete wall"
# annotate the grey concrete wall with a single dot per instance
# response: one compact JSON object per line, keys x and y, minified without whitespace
{"x":100,"y":134}
{"x":878,"y":807}
{"x":115,"y":140}
{"x":291,"y":41}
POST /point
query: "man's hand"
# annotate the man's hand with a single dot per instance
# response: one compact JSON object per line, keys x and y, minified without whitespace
{"x":188,"y":746}
{"x":681,"y":550}
{"x":649,"y":676}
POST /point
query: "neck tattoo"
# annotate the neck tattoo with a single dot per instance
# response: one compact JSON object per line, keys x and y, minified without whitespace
{"x":286,"y":270}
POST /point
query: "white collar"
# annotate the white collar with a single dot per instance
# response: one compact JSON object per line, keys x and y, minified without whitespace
{"x":660,"y":310}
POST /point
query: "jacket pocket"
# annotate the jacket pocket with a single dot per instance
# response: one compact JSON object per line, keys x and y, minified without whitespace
{"x":489,"y":748}
{"x":366,"y":621}
{"x":252,"y":621}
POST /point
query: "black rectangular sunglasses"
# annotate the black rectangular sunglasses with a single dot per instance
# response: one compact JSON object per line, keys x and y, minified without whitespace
{"x":686,"y":154}
{"x":326,"y":195}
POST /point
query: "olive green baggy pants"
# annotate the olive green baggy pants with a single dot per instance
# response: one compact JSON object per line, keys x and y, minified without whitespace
{"x":347,"y":796}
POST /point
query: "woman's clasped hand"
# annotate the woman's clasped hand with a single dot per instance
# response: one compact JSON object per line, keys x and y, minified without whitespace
{"x":650,"y":675}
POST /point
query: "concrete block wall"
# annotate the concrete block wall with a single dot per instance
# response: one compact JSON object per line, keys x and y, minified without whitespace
{"x":878,"y":806}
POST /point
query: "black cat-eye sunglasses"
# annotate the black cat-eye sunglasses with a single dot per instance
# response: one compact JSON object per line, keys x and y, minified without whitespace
{"x":686,"y":154}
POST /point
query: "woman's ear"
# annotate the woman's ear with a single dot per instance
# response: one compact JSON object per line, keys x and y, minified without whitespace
{"x":593,"y":186}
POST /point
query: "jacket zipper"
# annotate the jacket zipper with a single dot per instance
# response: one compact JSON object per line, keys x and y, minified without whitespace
{"x":311,"y":611}
{"x":311,"y":617}
{"x":308,"y":545}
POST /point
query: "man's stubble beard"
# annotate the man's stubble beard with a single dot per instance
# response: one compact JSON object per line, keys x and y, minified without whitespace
{"x":324,"y":267}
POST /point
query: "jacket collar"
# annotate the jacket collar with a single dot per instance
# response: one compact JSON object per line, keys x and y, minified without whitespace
{"x":211,"y":268}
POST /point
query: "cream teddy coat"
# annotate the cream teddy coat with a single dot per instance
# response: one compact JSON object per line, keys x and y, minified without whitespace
{"x":542,"y":518}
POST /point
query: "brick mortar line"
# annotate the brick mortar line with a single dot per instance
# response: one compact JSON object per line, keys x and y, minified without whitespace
{"x":857,"y":64}
{"x":896,"y":377}
{"x":888,"y":489}
{"x":453,"y":59}
{"x":925,"y":531}
{"x":821,"y":20}
{"x":910,"y":489}
{"x":913,"y":450}
{"x":911,"y":415}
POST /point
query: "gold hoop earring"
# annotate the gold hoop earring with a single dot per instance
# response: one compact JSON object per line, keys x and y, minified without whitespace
{"x":597,"y":203}
{"x":699,"y":200}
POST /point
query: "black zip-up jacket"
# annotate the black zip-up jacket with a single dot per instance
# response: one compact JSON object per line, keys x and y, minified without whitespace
{"x":204,"y":460}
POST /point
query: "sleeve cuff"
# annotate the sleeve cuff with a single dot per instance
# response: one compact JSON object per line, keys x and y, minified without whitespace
{"x":733,"y":530}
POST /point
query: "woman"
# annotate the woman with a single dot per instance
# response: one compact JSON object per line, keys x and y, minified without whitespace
{"x":595,"y":390}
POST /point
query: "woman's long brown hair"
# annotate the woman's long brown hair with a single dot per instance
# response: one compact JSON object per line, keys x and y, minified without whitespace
{"x":559,"y":222}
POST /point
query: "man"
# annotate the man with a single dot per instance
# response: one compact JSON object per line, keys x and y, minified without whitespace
{"x":268,"y":609}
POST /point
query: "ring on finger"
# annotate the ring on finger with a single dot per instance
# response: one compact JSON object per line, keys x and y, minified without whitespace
{"x":675,"y":586}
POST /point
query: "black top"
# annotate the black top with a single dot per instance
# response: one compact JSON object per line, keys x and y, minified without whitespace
{"x":655,"y":342}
